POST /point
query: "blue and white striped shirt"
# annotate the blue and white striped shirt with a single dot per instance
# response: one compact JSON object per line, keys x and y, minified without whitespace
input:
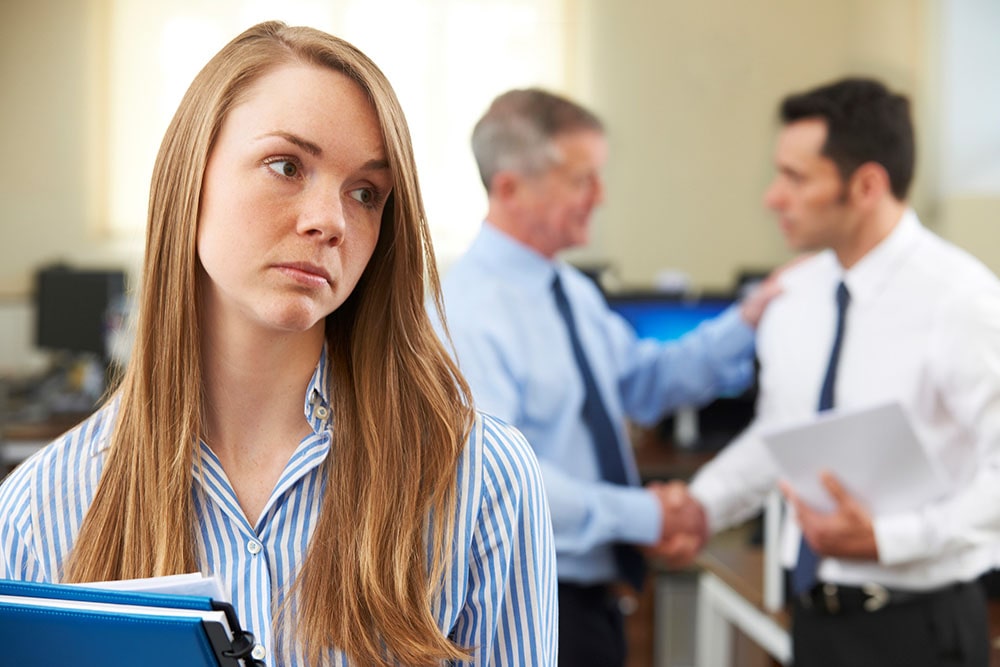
{"x":499,"y":599}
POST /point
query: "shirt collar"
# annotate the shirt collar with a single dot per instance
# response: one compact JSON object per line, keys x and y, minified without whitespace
{"x":520,"y":263}
{"x":316,"y":409}
{"x":875,"y":269}
{"x":317,"y":400}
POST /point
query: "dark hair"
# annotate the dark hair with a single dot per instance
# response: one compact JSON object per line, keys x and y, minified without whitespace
{"x":516,"y":131}
{"x":865,"y":123}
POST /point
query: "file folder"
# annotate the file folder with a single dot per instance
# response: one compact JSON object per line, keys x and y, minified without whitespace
{"x":45,"y":625}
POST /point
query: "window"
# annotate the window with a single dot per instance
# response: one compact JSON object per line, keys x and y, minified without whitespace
{"x":970,"y":102}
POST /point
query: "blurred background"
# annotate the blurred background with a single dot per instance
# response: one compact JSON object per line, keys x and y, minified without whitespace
{"x":688,"y":91}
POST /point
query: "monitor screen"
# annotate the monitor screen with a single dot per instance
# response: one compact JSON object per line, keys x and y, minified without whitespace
{"x":666,"y":317}
{"x":72,"y":308}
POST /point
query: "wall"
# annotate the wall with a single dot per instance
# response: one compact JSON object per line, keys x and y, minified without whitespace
{"x":690,"y":90}
{"x":51,"y":135}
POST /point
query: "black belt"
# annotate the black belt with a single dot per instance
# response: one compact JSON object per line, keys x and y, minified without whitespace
{"x":832,"y":599}
{"x":620,"y":597}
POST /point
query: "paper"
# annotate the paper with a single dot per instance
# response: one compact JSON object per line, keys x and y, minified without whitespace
{"x":874,"y":452}
{"x":114,"y":608}
{"x":194,"y":583}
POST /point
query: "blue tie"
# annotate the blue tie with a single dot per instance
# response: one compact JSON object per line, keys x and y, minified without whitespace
{"x":804,"y":575}
{"x":609,"y":457}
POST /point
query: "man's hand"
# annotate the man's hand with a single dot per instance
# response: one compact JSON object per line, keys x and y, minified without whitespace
{"x":755,"y":302}
{"x":685,"y":529}
{"x":846,"y":532}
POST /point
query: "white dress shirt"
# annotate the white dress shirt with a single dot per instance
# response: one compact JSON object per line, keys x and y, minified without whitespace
{"x":923,"y":329}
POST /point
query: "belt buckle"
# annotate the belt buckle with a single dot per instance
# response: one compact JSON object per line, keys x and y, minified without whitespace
{"x":878,"y":596}
{"x":830,"y":599}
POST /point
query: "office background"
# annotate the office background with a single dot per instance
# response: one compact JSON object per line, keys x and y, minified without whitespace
{"x":687,"y":90}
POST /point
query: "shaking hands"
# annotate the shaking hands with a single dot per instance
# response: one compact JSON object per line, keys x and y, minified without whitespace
{"x":685,"y":529}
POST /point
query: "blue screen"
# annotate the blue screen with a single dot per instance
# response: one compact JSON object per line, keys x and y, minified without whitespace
{"x":665,"y":318}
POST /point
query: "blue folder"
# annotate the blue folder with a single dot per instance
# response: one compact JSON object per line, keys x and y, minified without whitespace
{"x":45,"y":625}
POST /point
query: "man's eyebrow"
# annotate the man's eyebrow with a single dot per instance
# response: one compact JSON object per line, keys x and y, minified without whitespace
{"x":304,"y":144}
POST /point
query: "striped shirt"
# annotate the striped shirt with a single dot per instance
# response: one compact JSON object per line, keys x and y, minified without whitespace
{"x":499,"y":597}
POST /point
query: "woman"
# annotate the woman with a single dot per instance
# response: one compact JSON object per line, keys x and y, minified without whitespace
{"x":288,"y":420}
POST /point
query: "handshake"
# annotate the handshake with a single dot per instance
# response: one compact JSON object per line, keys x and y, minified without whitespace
{"x":685,"y":529}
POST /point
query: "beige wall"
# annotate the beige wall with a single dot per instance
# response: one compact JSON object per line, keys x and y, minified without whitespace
{"x":50,"y":131}
{"x":688,"y":90}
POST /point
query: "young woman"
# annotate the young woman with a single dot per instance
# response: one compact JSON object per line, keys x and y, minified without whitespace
{"x":289,"y":420}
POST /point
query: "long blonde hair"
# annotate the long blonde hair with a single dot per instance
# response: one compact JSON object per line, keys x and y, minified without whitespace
{"x":401,"y":409}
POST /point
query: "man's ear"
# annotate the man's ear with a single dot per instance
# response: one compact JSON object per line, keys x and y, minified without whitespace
{"x":505,"y":185}
{"x":869,"y":184}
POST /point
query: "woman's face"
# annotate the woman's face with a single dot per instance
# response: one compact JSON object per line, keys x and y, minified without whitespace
{"x":292,"y":201}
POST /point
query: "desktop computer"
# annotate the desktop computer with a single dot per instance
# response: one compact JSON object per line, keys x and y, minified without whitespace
{"x":667,"y":317}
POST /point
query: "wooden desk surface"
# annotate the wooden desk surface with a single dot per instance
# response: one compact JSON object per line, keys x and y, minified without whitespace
{"x":660,"y":460}
{"x":741,"y":567}
{"x":19,"y":440}
{"x":45,"y":430}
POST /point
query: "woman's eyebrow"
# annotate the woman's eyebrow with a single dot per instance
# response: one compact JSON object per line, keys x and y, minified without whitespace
{"x":374,"y":165}
{"x":315,"y":150}
{"x":304,"y":144}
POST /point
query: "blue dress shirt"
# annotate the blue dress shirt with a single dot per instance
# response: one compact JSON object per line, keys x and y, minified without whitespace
{"x":499,"y":597}
{"x":516,"y":353}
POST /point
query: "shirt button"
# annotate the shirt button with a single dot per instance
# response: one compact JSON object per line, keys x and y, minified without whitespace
{"x":322,"y":411}
{"x":258,"y":652}
{"x":253,"y":547}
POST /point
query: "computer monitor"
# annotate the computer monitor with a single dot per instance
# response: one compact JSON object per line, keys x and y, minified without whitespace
{"x":72,"y":308}
{"x":666,"y":316}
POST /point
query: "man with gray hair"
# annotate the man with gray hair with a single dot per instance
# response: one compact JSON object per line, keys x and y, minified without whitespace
{"x":541,"y":350}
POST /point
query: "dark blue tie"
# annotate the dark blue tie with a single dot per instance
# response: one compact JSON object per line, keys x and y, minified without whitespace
{"x":609,"y":456}
{"x":804,"y":575}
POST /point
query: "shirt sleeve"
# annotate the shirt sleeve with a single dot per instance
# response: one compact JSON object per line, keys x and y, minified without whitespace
{"x":510,"y":612}
{"x":656,"y":378}
{"x":585,"y":513}
{"x":965,"y":358}
{"x":18,"y":559}
{"x":733,"y":486}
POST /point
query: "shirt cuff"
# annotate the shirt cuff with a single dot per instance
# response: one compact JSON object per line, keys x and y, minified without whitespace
{"x":900,"y":538}
{"x":640,"y":516}
{"x":711,"y":497}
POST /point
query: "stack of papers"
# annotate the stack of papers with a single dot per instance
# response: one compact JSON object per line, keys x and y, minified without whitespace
{"x":874,"y":452}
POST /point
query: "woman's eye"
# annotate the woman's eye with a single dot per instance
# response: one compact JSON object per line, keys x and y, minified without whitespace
{"x":365,"y":196}
{"x":285,"y":168}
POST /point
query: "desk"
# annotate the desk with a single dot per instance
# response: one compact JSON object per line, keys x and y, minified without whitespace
{"x":19,"y":440}
{"x":731,"y":595}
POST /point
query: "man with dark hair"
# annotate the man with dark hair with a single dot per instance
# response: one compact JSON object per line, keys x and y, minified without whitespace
{"x":885,"y":311}
{"x":541,"y":350}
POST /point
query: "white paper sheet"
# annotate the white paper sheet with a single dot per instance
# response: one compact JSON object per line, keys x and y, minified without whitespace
{"x":874,"y":452}
{"x":194,"y":583}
